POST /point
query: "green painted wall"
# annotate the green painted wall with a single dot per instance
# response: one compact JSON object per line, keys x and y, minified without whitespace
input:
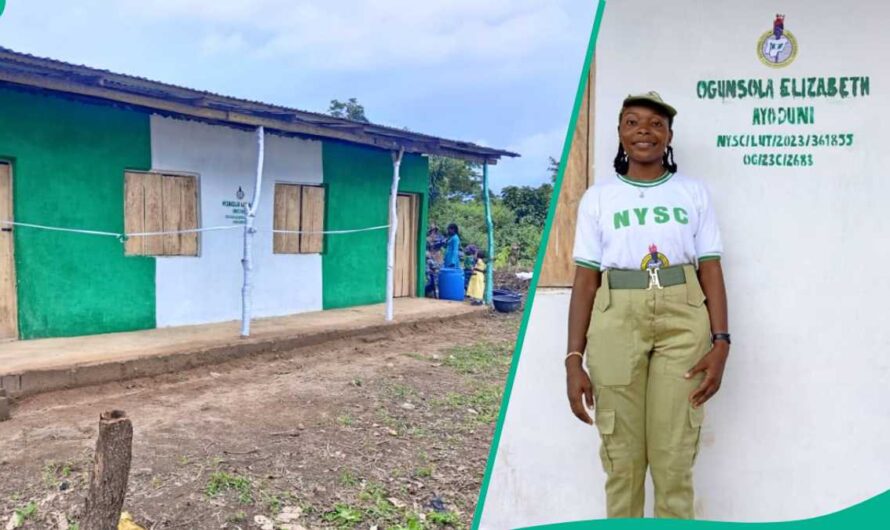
{"x":358,"y":181}
{"x":68,"y":170}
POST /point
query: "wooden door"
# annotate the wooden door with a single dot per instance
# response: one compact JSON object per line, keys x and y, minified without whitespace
{"x":405,"y":273}
{"x":8,"y":306}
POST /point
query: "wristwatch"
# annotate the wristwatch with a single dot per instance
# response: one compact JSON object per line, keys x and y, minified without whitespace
{"x":721,"y":336}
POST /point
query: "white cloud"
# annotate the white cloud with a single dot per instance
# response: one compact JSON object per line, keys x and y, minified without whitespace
{"x":541,"y":145}
{"x":221,"y":43}
{"x":363,"y":34}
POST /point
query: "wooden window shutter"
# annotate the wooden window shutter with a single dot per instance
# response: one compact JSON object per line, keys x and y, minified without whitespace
{"x":172,"y":219}
{"x":286,"y":216}
{"x":134,"y":212}
{"x":155,"y":203}
{"x":312,"y":220}
{"x":153,"y":245}
{"x":188,"y":243}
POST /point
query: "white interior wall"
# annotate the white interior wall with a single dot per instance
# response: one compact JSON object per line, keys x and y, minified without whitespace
{"x":801,"y":425}
{"x":194,"y":290}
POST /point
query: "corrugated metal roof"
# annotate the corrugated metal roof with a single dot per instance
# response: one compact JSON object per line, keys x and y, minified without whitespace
{"x":44,"y":74}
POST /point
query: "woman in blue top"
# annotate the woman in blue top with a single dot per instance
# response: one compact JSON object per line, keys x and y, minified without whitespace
{"x":452,"y":248}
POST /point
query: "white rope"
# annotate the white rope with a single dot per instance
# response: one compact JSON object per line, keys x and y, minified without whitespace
{"x":381,"y":227}
{"x":117,"y":234}
{"x":184,"y":231}
{"x":58,"y":229}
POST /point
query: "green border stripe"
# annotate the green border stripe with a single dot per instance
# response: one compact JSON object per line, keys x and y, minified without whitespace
{"x":589,"y":264}
{"x":539,"y":260}
{"x":644,"y":183}
{"x":871,"y":514}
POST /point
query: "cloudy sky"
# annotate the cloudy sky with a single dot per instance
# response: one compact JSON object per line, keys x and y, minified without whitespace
{"x":498,"y":72}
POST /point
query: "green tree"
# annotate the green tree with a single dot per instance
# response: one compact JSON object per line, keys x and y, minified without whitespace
{"x":453,"y":179}
{"x":553,"y":169}
{"x":350,"y":109}
{"x":528,"y":204}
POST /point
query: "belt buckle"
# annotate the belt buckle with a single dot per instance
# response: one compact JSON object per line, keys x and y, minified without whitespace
{"x":653,"y":279}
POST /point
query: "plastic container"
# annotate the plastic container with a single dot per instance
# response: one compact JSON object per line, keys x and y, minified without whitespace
{"x":506,"y":303}
{"x":451,"y":284}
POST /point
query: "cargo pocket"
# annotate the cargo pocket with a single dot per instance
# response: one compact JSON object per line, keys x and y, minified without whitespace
{"x":605,"y":424}
{"x":696,"y":418}
{"x":694,"y":294}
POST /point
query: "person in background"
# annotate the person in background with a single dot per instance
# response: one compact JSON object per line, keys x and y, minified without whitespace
{"x":476,"y":289}
{"x":469,"y":263}
{"x":434,"y":243}
{"x":432,"y":270}
{"x":452,"y":248}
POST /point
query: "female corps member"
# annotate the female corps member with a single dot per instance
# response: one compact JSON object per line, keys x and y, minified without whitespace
{"x":649,"y":307}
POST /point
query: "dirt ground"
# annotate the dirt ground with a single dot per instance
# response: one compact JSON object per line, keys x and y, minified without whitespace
{"x":386,"y":431}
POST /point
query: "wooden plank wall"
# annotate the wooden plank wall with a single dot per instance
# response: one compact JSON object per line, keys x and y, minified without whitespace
{"x":558,"y":269}
{"x":8,"y":305}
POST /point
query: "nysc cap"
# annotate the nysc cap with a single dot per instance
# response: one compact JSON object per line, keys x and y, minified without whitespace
{"x":649,"y":99}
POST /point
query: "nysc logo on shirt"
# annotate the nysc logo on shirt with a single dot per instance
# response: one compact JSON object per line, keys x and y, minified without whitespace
{"x":654,"y":259}
{"x":659,"y":214}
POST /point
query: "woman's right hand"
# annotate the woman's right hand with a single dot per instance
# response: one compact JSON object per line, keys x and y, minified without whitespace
{"x":579,"y":389}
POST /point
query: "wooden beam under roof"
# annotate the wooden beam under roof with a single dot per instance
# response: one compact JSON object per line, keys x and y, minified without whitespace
{"x":49,"y":75}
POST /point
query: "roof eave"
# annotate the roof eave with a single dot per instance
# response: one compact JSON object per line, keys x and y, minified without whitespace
{"x":126,"y":90}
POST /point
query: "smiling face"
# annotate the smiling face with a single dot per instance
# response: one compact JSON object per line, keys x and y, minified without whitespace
{"x":645,"y":134}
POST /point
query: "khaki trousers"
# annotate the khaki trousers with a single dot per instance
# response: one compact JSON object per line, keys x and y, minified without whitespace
{"x":639,"y":346}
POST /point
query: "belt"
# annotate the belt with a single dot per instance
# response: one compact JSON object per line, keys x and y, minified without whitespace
{"x":630,"y":279}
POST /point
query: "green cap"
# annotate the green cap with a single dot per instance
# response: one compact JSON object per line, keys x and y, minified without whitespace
{"x":649,"y":98}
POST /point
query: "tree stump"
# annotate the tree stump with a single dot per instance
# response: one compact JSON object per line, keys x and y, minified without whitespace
{"x":110,"y":472}
{"x":4,"y":405}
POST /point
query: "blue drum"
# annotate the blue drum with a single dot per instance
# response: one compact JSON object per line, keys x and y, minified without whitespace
{"x":451,"y":284}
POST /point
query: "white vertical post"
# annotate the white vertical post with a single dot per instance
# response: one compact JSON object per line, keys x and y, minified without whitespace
{"x":393,"y":226}
{"x":249,"y":230}
{"x":489,"y":229}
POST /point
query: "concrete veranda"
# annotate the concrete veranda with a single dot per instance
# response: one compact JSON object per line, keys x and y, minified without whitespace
{"x":33,"y":366}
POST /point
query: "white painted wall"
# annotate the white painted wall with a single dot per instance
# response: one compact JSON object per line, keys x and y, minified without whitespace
{"x":547,"y":469}
{"x":208,"y":288}
{"x":802,"y":424}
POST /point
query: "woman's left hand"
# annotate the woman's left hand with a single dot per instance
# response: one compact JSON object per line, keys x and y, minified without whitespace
{"x":712,"y":364}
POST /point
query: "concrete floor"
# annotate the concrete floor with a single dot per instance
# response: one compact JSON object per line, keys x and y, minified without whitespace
{"x":29,"y":367}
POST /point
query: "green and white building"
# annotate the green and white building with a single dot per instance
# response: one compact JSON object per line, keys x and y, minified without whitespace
{"x":86,"y":149}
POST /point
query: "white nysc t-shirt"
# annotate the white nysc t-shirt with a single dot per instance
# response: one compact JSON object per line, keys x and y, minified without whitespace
{"x":629,"y":224}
